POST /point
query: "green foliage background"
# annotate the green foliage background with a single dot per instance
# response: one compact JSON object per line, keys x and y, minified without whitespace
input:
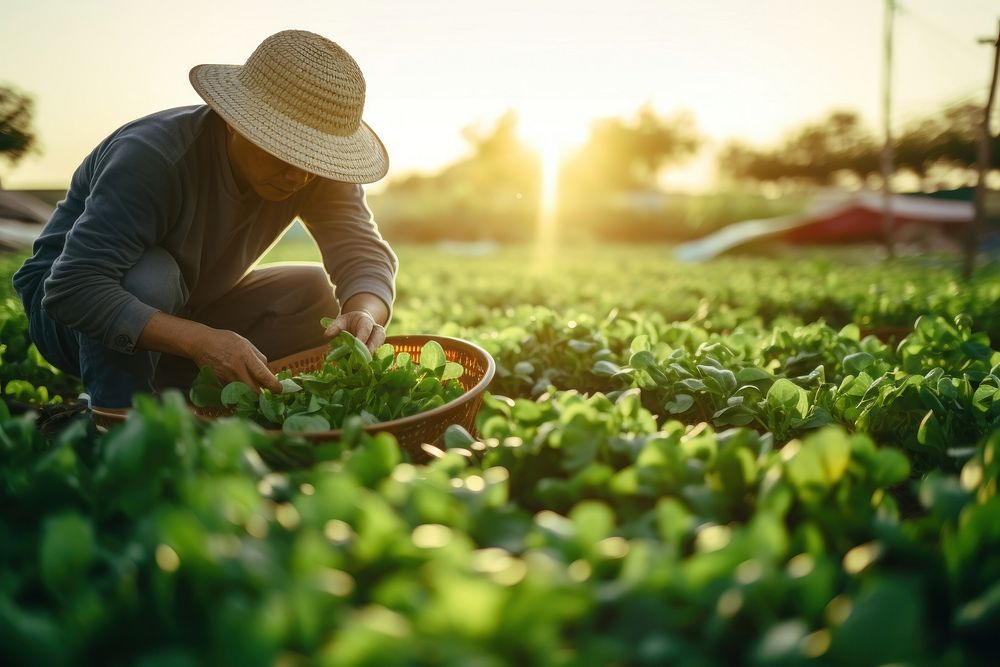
{"x":678,"y":464}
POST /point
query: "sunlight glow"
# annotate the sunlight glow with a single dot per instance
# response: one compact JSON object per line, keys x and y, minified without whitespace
{"x":551,"y":159}
{"x":746,"y":70}
{"x":553,"y":130}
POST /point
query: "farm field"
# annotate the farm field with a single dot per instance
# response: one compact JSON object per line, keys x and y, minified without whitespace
{"x":760,"y":461}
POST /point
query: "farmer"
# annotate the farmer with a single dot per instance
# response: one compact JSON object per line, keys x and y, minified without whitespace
{"x":143,"y":273}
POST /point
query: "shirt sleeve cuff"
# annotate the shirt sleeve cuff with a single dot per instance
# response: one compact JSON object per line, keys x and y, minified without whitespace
{"x":123,"y":334}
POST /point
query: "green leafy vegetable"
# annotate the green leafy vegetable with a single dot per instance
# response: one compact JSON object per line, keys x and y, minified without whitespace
{"x":352,"y":381}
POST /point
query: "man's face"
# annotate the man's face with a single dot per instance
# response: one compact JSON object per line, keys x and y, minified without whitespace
{"x":272,"y":179}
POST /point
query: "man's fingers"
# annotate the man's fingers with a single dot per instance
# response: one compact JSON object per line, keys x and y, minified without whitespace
{"x":377,"y":338}
{"x":260,"y":355}
{"x":264,"y":376}
{"x":335,"y":328}
{"x":246,"y":378}
{"x":363,"y":329}
{"x":361,"y":325}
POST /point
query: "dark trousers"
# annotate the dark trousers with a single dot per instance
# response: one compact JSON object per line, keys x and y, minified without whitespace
{"x":277,"y":308}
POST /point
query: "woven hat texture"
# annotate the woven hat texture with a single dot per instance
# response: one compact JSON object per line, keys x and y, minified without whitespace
{"x":300,"y":97}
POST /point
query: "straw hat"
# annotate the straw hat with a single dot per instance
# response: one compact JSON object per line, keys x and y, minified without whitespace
{"x":299,"y":97}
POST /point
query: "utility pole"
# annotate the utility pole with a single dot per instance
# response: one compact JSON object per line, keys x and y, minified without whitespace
{"x":887,"y":149}
{"x":982,"y":164}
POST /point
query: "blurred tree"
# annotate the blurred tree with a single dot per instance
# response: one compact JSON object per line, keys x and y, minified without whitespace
{"x":948,"y":140}
{"x":820,"y":153}
{"x":492,"y":193}
{"x":628,"y":154}
{"x":501,"y":164}
{"x":17,"y":137}
{"x":609,"y":188}
{"x":745,"y":163}
{"x":838,"y":144}
{"x":914,"y":147}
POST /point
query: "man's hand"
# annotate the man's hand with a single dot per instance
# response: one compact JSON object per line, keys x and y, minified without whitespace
{"x":229,"y":354}
{"x":233,"y":357}
{"x":362,"y":324}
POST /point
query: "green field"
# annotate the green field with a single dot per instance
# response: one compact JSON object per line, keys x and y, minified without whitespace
{"x":756,"y":461}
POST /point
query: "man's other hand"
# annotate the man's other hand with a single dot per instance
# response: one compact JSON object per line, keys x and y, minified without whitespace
{"x":362,"y":324}
{"x":233,"y":358}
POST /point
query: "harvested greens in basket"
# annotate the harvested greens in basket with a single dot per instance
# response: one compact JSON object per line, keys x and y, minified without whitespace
{"x":352,"y":381}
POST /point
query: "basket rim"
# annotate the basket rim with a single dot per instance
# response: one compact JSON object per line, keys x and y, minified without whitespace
{"x":119,"y":414}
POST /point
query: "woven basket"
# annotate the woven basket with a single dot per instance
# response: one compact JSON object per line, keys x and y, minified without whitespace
{"x":411,"y":432}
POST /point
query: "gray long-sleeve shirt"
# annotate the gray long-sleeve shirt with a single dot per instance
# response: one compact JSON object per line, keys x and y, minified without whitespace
{"x":165,"y":180}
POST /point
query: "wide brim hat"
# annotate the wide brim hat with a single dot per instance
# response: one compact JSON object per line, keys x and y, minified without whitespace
{"x":299,"y":97}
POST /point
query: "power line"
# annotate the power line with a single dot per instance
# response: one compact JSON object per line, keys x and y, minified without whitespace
{"x":932,"y":25}
{"x":929,"y":24}
{"x":929,"y":108}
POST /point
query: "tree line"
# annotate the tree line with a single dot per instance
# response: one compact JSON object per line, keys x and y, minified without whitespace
{"x":494,"y":190}
{"x":840,"y":149}
{"x":603,"y":185}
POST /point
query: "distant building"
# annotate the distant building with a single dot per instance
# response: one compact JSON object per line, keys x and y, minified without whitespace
{"x":23,"y":213}
{"x":937,"y":222}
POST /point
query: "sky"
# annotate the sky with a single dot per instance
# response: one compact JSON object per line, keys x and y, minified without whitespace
{"x":745,"y":69}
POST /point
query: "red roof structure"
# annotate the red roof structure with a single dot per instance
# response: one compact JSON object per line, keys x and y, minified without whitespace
{"x":840,"y":218}
{"x":859,"y":218}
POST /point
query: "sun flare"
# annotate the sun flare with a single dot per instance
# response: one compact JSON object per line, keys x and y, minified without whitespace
{"x":553,"y":131}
